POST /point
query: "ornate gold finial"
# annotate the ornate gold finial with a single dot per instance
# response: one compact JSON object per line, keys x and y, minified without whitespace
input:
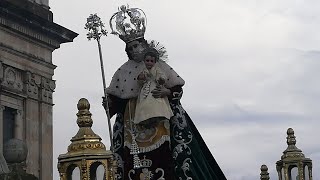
{"x":83,"y":104}
{"x":85,"y":139}
{"x":84,"y":115}
{"x":264,"y":175}
{"x":86,"y":150}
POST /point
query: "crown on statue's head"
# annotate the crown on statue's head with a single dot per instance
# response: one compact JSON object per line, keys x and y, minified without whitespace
{"x":128,"y":23}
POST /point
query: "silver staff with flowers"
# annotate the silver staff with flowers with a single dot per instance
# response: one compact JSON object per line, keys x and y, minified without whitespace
{"x":96,"y":30}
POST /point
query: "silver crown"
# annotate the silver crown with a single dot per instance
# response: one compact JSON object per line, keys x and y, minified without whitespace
{"x":145,"y":163}
{"x":128,"y":23}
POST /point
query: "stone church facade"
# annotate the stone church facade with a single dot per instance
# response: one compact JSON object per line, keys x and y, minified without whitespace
{"x":28,"y":36}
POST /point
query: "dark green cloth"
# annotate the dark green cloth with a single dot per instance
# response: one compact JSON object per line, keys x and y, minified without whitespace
{"x":192,"y":157}
{"x":186,"y":157}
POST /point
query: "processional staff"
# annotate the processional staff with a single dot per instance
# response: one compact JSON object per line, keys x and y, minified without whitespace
{"x":96,"y":30}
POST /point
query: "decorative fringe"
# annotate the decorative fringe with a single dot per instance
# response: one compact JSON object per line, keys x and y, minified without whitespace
{"x":136,"y":162}
{"x":146,"y":90}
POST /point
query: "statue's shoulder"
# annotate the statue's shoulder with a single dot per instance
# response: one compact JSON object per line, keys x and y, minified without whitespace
{"x":165,"y":67}
{"x":173,"y":78}
{"x":130,"y":66}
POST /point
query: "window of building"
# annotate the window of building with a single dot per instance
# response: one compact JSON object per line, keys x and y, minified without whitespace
{"x":8,"y":123}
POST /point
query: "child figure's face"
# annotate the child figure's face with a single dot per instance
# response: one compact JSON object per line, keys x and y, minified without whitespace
{"x":149,"y":61}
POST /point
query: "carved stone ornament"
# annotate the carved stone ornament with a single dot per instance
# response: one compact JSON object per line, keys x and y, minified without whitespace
{"x":1,"y":72}
{"x":12,"y":79}
{"x":10,"y":76}
{"x":47,"y":89}
{"x":33,"y":82}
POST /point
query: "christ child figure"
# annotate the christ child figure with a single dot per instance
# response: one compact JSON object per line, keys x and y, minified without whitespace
{"x":152,"y":77}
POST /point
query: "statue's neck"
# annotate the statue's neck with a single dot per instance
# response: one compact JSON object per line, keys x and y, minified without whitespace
{"x":137,"y":61}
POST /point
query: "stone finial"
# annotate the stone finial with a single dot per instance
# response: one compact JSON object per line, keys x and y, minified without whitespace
{"x":15,"y":151}
{"x":264,"y":175}
{"x":293,"y":157}
{"x":291,"y":139}
{"x":292,"y":149}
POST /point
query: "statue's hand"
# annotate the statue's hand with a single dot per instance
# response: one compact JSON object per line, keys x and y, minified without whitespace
{"x":142,"y":76}
{"x":160,"y":92}
{"x":105,"y":101}
{"x":161,"y":81}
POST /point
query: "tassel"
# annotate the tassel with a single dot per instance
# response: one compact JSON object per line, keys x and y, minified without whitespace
{"x":135,"y":151}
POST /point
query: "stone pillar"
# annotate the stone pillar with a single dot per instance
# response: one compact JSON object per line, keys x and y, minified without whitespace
{"x":1,"y":127}
{"x":310,"y":171}
{"x":46,"y":130}
{"x":3,"y":165}
{"x":286,"y":172}
{"x":18,"y":130}
{"x":46,"y":141}
{"x":1,"y":109}
{"x":33,"y":136}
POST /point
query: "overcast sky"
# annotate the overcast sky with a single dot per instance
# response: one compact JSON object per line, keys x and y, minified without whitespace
{"x":251,"y":69}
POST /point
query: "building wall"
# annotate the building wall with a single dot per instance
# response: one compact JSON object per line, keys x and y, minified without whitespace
{"x":27,"y":86}
{"x":28,"y":36}
{"x":41,"y":2}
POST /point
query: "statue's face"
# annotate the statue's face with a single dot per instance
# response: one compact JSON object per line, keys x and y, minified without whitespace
{"x":135,"y":48}
{"x":149,"y":62}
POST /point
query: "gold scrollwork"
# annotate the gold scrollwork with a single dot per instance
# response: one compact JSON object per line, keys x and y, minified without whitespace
{"x":86,"y":145}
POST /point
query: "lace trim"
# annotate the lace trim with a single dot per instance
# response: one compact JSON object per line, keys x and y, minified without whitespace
{"x":152,"y":147}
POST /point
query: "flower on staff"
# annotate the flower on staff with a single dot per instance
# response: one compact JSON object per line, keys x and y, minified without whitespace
{"x":95,"y":27}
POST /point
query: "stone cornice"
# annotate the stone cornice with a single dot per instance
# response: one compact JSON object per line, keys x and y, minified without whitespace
{"x":12,"y":93}
{"x":27,"y":32}
{"x":32,"y":7}
{"x":31,"y":21}
{"x":28,"y":56}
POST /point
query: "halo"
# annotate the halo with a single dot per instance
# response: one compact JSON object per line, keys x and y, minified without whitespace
{"x":161,"y":50}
